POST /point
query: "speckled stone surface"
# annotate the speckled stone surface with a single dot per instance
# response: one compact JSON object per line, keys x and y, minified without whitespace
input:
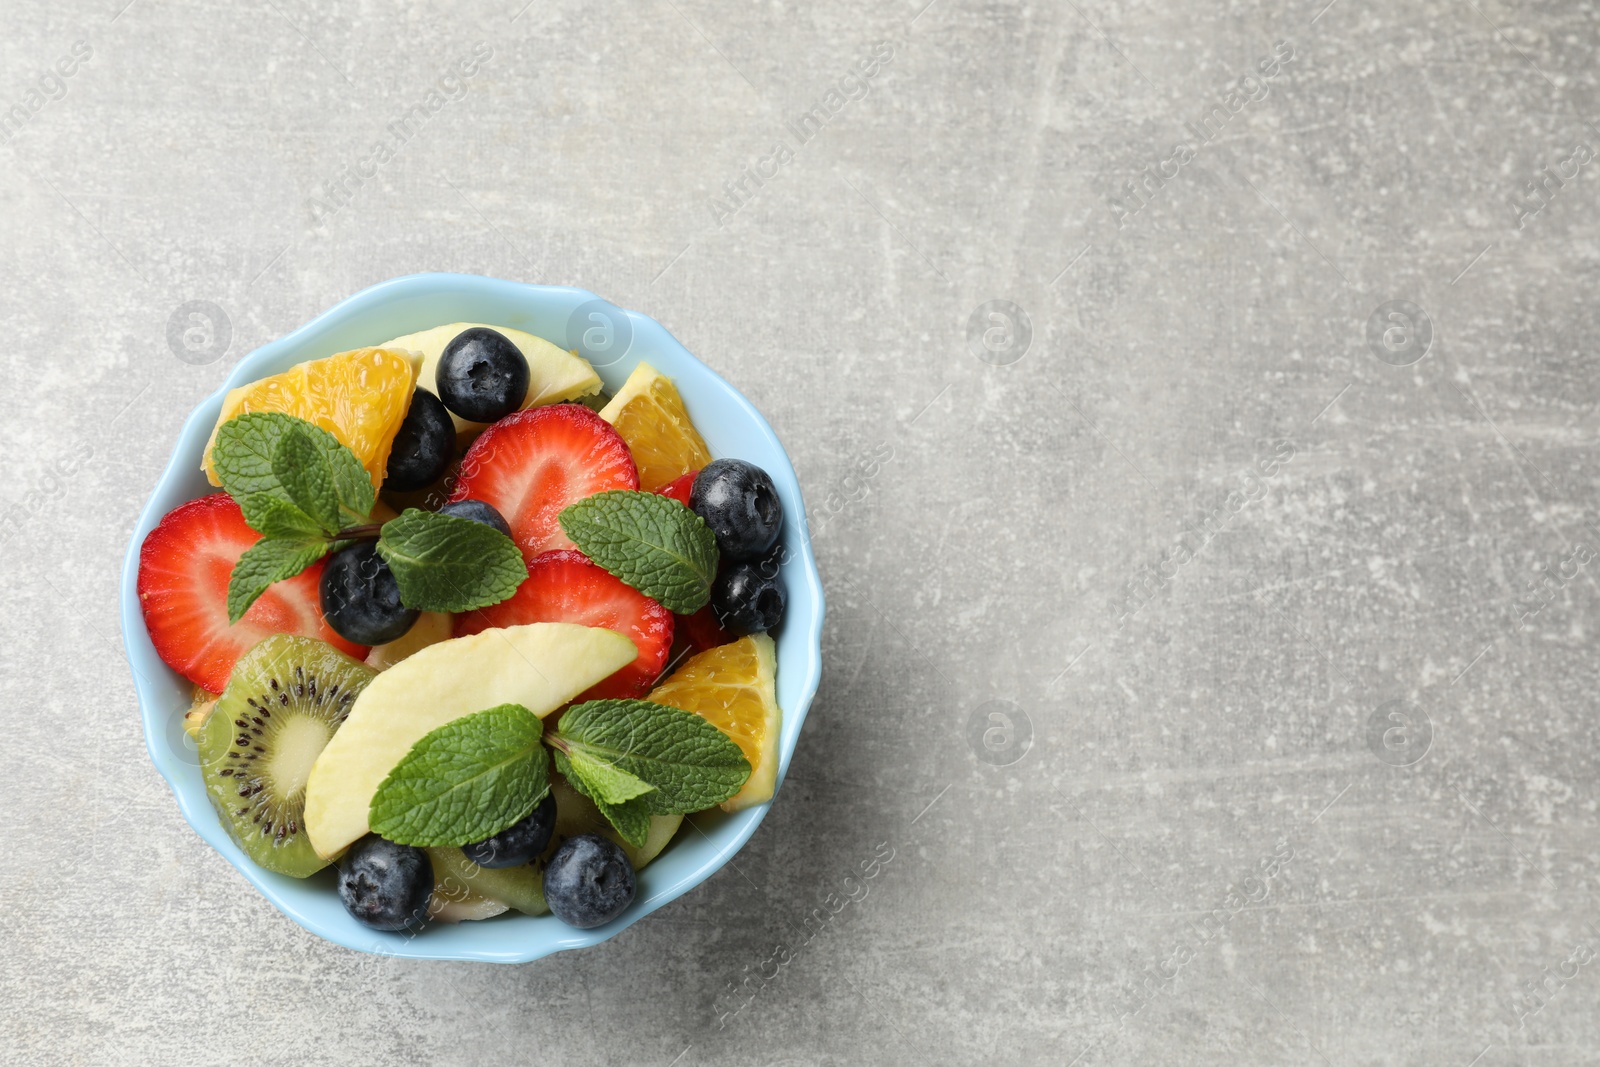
{"x":1195,"y":405}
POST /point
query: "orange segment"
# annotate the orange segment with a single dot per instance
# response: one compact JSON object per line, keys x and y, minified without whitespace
{"x":733,"y":688}
{"x":360,"y":397}
{"x":648,"y":414}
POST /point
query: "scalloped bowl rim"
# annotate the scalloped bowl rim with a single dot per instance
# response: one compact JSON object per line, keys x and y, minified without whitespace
{"x":408,"y":301}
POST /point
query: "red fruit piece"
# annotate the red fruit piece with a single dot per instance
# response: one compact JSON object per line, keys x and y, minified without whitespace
{"x":184,"y":566}
{"x":533,"y":463}
{"x":678,"y":488}
{"x":703,"y":631}
{"x":564,"y":586}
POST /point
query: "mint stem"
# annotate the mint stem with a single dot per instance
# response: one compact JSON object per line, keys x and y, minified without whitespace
{"x":362,"y":532}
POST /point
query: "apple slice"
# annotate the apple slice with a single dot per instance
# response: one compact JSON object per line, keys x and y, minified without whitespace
{"x":554,"y":374}
{"x":521,"y":887}
{"x":540,"y":666}
{"x":430,"y":628}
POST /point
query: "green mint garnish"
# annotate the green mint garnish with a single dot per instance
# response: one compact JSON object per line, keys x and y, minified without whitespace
{"x":306,"y":494}
{"x":689,"y":764}
{"x":632,"y":820}
{"x":616,"y":793}
{"x":273,"y":516}
{"x":477,"y":775}
{"x":447,"y":563}
{"x":651,"y":542}
{"x":272,"y":559}
{"x":465,"y":781}
{"x":598,"y":779}
{"x":251,"y":458}
{"x":242,"y":454}
{"x":306,"y":474}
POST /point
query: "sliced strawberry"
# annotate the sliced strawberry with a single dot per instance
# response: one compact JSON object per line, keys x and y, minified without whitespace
{"x":678,"y":488}
{"x":533,"y":463}
{"x":564,"y":586}
{"x":184,"y":566}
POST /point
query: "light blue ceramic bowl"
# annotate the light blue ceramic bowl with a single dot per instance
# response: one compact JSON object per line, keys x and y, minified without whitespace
{"x":616,"y":341}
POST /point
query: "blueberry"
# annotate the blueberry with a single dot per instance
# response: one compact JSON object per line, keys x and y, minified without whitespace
{"x":745,"y":600}
{"x":589,"y":881}
{"x":519,"y":842}
{"x":482,"y":376}
{"x":477,"y":511}
{"x":740,"y":504}
{"x":361,"y":599}
{"x":384,"y":885}
{"x":423,"y":447}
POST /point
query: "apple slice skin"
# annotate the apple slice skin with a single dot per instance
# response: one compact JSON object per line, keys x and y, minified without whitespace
{"x":541,"y":666}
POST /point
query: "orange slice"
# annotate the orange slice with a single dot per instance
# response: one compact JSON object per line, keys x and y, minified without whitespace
{"x":733,"y":688}
{"x":648,"y":414}
{"x":360,"y":397}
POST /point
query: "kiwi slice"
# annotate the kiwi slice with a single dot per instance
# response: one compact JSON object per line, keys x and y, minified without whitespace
{"x":285,"y":698}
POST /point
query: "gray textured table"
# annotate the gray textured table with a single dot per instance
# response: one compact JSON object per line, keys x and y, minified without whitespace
{"x":1195,"y":409}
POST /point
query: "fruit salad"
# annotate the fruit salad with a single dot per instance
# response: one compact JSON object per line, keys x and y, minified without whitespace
{"x":467,"y":630}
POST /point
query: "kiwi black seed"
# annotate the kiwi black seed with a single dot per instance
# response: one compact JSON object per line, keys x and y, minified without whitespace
{"x":284,"y":700}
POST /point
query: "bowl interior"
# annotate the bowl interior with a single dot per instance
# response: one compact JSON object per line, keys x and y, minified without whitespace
{"x":616,"y":341}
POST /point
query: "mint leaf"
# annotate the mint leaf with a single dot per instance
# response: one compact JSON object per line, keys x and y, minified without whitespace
{"x":691,"y":764}
{"x":630,"y":817}
{"x":601,"y":780}
{"x":271,"y":515}
{"x":244,"y":452}
{"x":351,"y":482}
{"x":651,"y":542}
{"x":465,"y":781}
{"x":447,"y":563}
{"x":269,"y":560}
{"x":306,"y":475}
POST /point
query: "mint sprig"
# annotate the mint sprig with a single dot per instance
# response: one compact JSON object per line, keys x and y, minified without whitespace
{"x":617,"y":794}
{"x":247,"y":460}
{"x":477,"y":775}
{"x":689,"y":764}
{"x":651,"y":542}
{"x":306,"y":494}
{"x":447,"y":563}
{"x":465,"y":781}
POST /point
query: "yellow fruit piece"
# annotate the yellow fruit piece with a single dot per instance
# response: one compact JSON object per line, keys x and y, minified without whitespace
{"x":360,"y":397}
{"x":464,"y":906}
{"x":540,"y":665}
{"x":733,"y":688}
{"x":554,"y":374}
{"x":195,"y":717}
{"x":648,"y":414}
{"x":430,"y":628}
